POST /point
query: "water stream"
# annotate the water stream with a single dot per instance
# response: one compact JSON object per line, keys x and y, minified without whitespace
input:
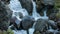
{"x":16,"y":7}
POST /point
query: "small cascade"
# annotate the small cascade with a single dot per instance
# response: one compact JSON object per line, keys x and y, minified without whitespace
{"x":36,"y":15}
{"x":16,"y":7}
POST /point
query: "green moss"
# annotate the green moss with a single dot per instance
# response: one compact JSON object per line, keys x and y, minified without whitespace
{"x":58,"y":14}
{"x":57,"y":3}
{"x":9,"y":31}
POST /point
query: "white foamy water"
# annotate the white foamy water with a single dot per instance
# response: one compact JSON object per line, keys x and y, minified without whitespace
{"x":16,"y":7}
{"x":36,"y":15}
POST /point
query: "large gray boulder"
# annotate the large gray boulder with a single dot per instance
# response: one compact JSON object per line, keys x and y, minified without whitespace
{"x":5,"y":15}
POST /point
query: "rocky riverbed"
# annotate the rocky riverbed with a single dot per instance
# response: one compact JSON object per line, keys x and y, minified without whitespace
{"x":29,"y":16}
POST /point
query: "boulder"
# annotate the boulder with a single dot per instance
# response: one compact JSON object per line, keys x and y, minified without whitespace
{"x":43,"y":5}
{"x":27,"y":4}
{"x":41,"y":25}
{"x":27,"y":22}
{"x":52,"y":24}
{"x":4,"y":16}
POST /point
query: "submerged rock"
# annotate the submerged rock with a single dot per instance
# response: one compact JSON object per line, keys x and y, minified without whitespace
{"x":27,"y":4}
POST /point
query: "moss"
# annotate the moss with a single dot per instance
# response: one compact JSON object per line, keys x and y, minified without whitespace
{"x":57,"y":3}
{"x":9,"y":31}
{"x":58,"y":14}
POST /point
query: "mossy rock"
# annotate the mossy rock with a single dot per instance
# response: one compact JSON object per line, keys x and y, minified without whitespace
{"x":58,"y":14}
{"x":9,"y":31}
{"x":57,"y":3}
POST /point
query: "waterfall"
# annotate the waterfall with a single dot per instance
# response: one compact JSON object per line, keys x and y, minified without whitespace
{"x":16,"y":7}
{"x":36,"y":15}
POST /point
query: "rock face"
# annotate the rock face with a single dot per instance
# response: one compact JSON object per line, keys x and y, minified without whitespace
{"x":4,"y":16}
{"x":27,"y":4}
{"x":41,"y":25}
{"x":27,"y":22}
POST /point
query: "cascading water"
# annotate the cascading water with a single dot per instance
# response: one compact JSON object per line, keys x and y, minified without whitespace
{"x":16,"y":7}
{"x":36,"y":15}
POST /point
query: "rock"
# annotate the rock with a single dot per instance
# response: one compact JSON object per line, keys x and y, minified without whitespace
{"x":27,"y":4}
{"x":58,"y":13}
{"x":58,"y":24}
{"x":41,"y":25}
{"x":20,"y":15}
{"x":27,"y":22}
{"x":52,"y":14}
{"x":57,"y":32}
{"x":48,"y":2}
{"x":9,"y":31}
{"x":57,"y":4}
{"x":6,"y":1}
{"x":37,"y":32}
{"x":4,"y":16}
{"x":49,"y":32}
{"x":52,"y":24}
{"x":43,"y":5}
{"x":15,"y":25}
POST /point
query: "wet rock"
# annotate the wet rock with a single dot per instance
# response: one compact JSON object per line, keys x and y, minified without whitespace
{"x":41,"y":25}
{"x":4,"y":16}
{"x":58,"y":13}
{"x":43,"y":4}
{"x":27,"y":4}
{"x":15,"y":25}
{"x":52,"y":14}
{"x":57,"y":32}
{"x":57,"y":4}
{"x":20,"y":15}
{"x":58,"y":24}
{"x":48,"y":2}
{"x":37,"y":32}
{"x":6,"y":1}
{"x":6,"y":32}
{"x":52,"y":24}
{"x":49,"y":32}
{"x":27,"y":22}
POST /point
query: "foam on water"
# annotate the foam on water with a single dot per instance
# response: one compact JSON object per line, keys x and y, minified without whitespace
{"x":16,"y":7}
{"x":36,"y":15}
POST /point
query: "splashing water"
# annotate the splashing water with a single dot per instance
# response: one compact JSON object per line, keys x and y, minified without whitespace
{"x":16,"y":7}
{"x":36,"y":15}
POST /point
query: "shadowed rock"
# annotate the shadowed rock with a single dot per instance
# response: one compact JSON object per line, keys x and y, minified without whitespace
{"x":5,"y":15}
{"x":41,"y":25}
{"x":27,"y":4}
